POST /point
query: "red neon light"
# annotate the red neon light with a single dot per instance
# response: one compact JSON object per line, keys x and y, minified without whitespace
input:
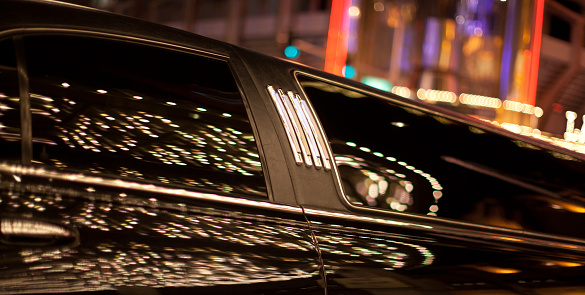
{"x":336,"y":51}
{"x":535,"y":49}
{"x":526,"y":69}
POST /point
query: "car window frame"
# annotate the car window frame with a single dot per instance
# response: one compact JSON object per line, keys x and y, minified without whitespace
{"x":16,"y":34}
{"x":436,"y":224}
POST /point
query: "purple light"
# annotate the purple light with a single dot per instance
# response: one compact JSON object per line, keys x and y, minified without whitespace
{"x":506,"y":67}
{"x":430,"y":53}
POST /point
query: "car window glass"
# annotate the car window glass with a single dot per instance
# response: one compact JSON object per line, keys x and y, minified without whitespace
{"x":402,"y":159}
{"x":140,"y":112}
{"x":9,"y":108}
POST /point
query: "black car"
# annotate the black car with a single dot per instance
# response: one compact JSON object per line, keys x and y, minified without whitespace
{"x":141,"y":159}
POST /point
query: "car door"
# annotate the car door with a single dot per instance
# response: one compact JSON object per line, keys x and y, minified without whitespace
{"x":438,"y":204}
{"x":133,"y":166}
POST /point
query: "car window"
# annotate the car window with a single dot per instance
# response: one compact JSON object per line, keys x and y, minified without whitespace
{"x":399,"y":158}
{"x":134,"y":111}
{"x":9,"y":109}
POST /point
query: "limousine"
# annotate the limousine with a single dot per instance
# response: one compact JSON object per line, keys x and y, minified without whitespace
{"x":141,"y":159}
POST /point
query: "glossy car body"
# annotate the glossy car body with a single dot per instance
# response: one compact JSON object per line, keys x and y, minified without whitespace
{"x":140,"y":159}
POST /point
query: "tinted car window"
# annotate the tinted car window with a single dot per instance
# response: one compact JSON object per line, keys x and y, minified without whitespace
{"x":400,"y":158}
{"x":141,"y":112}
{"x":9,"y":108}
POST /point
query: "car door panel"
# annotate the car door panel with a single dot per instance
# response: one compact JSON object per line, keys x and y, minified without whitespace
{"x":143,"y":177}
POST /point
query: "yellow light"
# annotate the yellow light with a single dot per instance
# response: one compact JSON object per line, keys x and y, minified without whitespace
{"x":421,"y":94}
{"x":497,"y":270}
{"x":565,"y":263}
{"x":571,"y":115}
{"x":449,"y":30}
{"x":568,"y":206}
{"x":538,"y":112}
{"x":445,"y":54}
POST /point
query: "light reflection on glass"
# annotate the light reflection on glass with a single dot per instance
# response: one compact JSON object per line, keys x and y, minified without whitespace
{"x":94,"y":119}
{"x":379,"y":186}
{"x":116,"y":131}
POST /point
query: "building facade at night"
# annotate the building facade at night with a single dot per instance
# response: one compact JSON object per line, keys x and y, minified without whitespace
{"x":515,"y":63}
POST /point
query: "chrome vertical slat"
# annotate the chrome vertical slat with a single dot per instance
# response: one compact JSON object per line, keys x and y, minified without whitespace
{"x":294,"y":144}
{"x":309,"y":133}
{"x":307,"y":108}
{"x":293,"y":116}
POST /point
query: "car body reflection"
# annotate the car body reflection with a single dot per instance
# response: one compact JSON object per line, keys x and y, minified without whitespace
{"x":186,"y":245}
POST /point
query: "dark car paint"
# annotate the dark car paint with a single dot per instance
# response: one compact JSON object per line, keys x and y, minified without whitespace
{"x":131,"y":235}
{"x":155,"y":239}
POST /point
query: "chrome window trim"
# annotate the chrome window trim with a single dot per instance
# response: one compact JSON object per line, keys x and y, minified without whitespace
{"x":307,"y":129}
{"x":294,"y":145}
{"x":80,"y":178}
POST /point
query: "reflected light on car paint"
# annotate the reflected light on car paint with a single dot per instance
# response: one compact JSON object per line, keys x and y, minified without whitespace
{"x":559,"y":204}
{"x":496,"y":270}
{"x":536,"y":133}
{"x":113,"y":263}
{"x":561,"y":263}
{"x":124,"y":184}
{"x":31,"y":228}
{"x":343,"y":247}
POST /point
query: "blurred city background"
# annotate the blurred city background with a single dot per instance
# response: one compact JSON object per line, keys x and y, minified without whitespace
{"x":514,"y":63}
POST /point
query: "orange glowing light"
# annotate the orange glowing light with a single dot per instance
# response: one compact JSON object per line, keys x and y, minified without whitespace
{"x":563,"y":263}
{"x":336,"y":51}
{"x":497,"y":270}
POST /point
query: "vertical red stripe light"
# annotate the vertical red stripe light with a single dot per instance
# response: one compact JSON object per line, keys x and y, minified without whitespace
{"x":535,"y":50}
{"x":336,"y":51}
{"x":526,"y":70}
